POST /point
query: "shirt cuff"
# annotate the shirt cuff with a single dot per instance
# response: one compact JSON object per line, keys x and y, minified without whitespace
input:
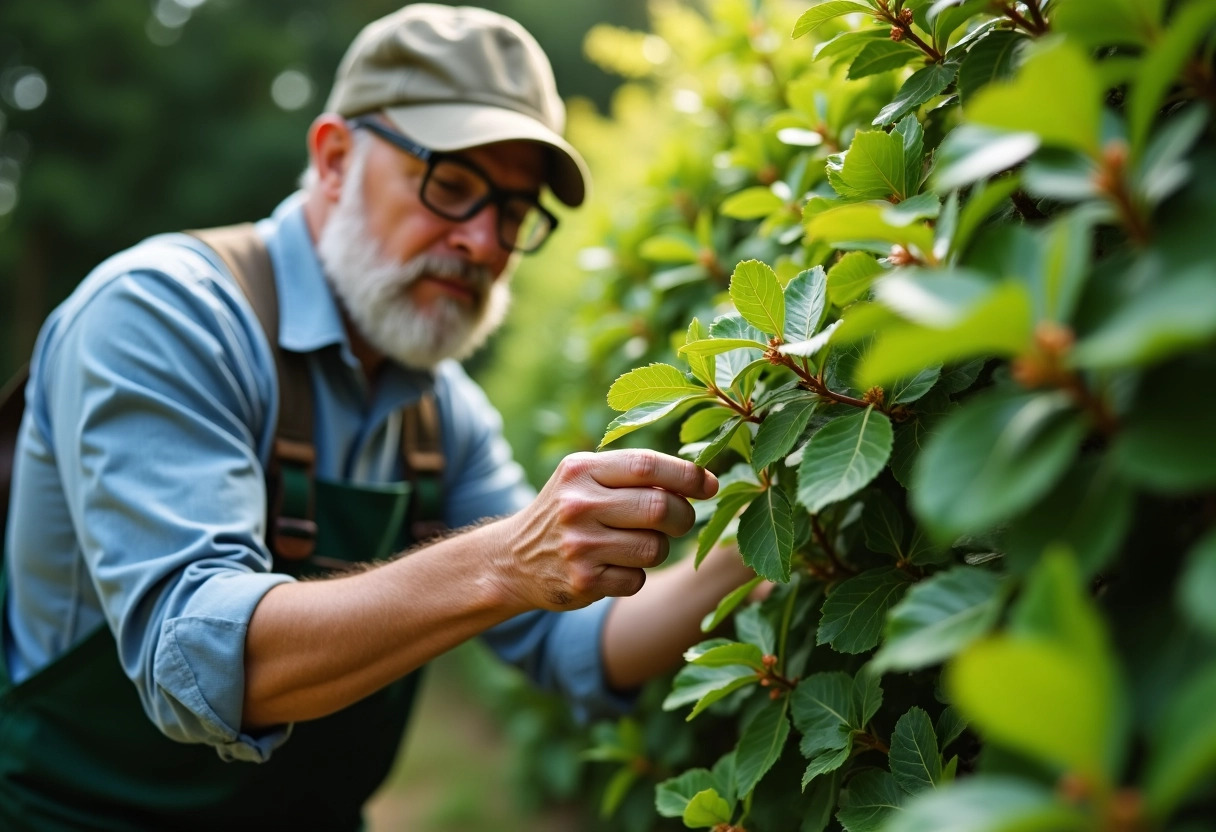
{"x":199,"y":669}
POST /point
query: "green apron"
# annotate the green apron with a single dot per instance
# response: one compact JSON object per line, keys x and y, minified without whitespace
{"x":77,"y":751}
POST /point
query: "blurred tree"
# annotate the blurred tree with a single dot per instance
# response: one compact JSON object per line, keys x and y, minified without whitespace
{"x":122,"y":119}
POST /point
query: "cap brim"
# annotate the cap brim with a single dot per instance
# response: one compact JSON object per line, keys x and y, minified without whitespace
{"x":461,"y":126}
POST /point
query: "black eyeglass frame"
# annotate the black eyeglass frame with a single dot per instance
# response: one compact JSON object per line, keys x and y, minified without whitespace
{"x":496,"y":195}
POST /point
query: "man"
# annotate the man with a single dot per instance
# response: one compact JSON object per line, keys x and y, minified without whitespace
{"x":159,"y":673}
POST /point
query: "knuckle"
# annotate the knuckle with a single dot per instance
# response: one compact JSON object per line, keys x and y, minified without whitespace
{"x":574,"y":466}
{"x":653,"y":508}
{"x":644,"y":464}
{"x":572,"y":547}
{"x":651,"y":549}
{"x":571,"y":506}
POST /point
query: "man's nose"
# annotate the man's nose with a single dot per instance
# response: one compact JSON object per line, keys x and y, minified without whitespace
{"x":477,"y":236}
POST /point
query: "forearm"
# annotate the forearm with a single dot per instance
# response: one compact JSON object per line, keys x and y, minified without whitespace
{"x":647,"y":633}
{"x":384,"y":622}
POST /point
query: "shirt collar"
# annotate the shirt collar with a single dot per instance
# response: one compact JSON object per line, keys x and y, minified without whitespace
{"x":308,"y":313}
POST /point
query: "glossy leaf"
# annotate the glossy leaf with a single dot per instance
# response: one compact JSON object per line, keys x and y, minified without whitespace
{"x":992,"y":459}
{"x":642,"y":415}
{"x":850,"y":278}
{"x":921,"y":86}
{"x":766,"y":535}
{"x":915,"y":760}
{"x":938,"y":617}
{"x":972,"y":152}
{"x":843,"y":457}
{"x":804,"y":302}
{"x":706,"y":809}
{"x":854,"y":612}
{"x":722,"y":653}
{"x":703,"y":366}
{"x":646,"y":385}
{"x":864,"y":221}
{"x":816,"y":16}
{"x":730,"y":364}
{"x":761,"y":744}
{"x":872,"y":168}
{"x":757,"y":295}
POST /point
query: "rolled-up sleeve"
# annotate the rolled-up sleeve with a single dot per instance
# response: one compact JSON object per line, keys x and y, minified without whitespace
{"x":560,"y":651}
{"x":158,"y":401}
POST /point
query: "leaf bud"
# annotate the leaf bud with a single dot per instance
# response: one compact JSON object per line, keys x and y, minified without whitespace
{"x":774,"y":694}
{"x":905,"y":16}
{"x":875,"y":395}
{"x":900,"y":256}
{"x":897,"y":33}
{"x":1055,"y":340}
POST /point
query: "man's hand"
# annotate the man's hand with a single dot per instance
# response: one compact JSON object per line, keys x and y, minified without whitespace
{"x":599,"y":521}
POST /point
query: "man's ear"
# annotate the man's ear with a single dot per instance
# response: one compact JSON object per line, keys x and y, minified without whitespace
{"x":329,"y":151}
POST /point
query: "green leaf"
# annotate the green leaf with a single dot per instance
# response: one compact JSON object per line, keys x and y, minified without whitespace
{"x":851,"y":277}
{"x":919,"y":88}
{"x":972,"y":152}
{"x":757,"y":295}
{"x":1197,"y":585}
{"x":671,"y":797}
{"x":826,"y":761}
{"x":1035,"y":697}
{"x":642,"y":415}
{"x":731,"y":364}
{"x":728,"y":507}
{"x":704,"y":422}
{"x":869,"y":799}
{"x":1056,"y":95}
{"x":913,"y":137}
{"x":872,"y":167}
{"x":766,"y":536}
{"x":702,"y":366}
{"x":722,"y":652}
{"x":780,"y":430}
{"x":706,"y":685}
{"x":1158,"y":448}
{"x":1184,"y":745}
{"x":843,"y":457}
{"x":999,"y":325}
{"x":804,"y":301}
{"x":1097,"y":23}
{"x":993,"y":458}
{"x":751,"y":203}
{"x":938,"y":617}
{"x":989,"y":804}
{"x":1161,"y":65}
{"x":992,"y":59}
{"x":753,"y":626}
{"x":810,"y":347}
{"x":920,"y":207}
{"x":950,"y":726}
{"x":823,"y":712}
{"x":865,"y":222}
{"x":985,"y":198}
{"x":916,"y":763}
{"x":816,"y":16}
{"x":880,"y":56}
{"x":717,"y":346}
{"x":618,"y":786}
{"x":670,"y":248}
{"x":867,"y":696}
{"x":719,"y":443}
{"x":761,"y":743}
{"x":883,"y":526}
{"x":853,"y":614}
{"x":1173,"y":316}
{"x":706,"y":808}
{"x":650,"y":384}
{"x":911,"y":388}
{"x":819,"y":804}
{"x":728,"y":605}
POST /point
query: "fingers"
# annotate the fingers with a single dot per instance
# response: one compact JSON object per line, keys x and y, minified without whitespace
{"x":646,"y":508}
{"x":639,"y":468}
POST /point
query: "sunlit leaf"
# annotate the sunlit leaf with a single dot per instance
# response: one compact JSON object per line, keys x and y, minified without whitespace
{"x":757,"y":295}
{"x":651,"y":384}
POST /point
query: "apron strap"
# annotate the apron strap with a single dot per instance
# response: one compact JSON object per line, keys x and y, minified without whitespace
{"x":422,"y":448}
{"x":292,"y":531}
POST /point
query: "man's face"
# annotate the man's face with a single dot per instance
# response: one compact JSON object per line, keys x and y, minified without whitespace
{"x":419,"y":287}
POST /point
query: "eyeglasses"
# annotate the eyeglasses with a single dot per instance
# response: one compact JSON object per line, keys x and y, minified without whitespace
{"x":456,"y":189}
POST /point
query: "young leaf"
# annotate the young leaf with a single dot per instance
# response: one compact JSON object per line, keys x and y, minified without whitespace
{"x":719,"y":442}
{"x":780,"y":430}
{"x":919,"y":88}
{"x":671,"y":797}
{"x":915,"y":761}
{"x":642,"y":415}
{"x":853,"y":614}
{"x":722,"y":652}
{"x":757,"y":295}
{"x":706,"y":685}
{"x":880,"y":56}
{"x":938,"y":617}
{"x":728,"y":506}
{"x":871,"y":796}
{"x":716,"y":346}
{"x":848,"y":226}
{"x":728,"y":605}
{"x":816,"y":16}
{"x":751,"y":204}
{"x":702,"y":366}
{"x":872,"y":168}
{"x":761,"y":744}
{"x":804,"y":296}
{"x":850,"y":278}
{"x":650,"y":384}
{"x":731,"y":364}
{"x":704,"y":422}
{"x":994,"y":803}
{"x":707,"y":808}
{"x":843,"y":457}
{"x":766,"y":536}
{"x":1056,"y":95}
{"x":993,"y":458}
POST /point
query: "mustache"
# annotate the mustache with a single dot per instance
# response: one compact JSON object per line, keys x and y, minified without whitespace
{"x":476,"y":275}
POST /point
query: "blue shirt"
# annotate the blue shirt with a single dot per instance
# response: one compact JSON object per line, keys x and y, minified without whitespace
{"x":138,"y":492}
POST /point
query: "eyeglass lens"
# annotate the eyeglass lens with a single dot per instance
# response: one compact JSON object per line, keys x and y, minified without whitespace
{"x":457,"y":191}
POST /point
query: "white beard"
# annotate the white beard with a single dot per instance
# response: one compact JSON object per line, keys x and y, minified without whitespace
{"x":373,"y":289}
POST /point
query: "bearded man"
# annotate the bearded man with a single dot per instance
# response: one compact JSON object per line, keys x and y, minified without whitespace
{"x":164,"y":666}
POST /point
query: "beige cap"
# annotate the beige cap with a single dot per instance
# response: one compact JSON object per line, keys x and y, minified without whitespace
{"x":452,"y":78}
